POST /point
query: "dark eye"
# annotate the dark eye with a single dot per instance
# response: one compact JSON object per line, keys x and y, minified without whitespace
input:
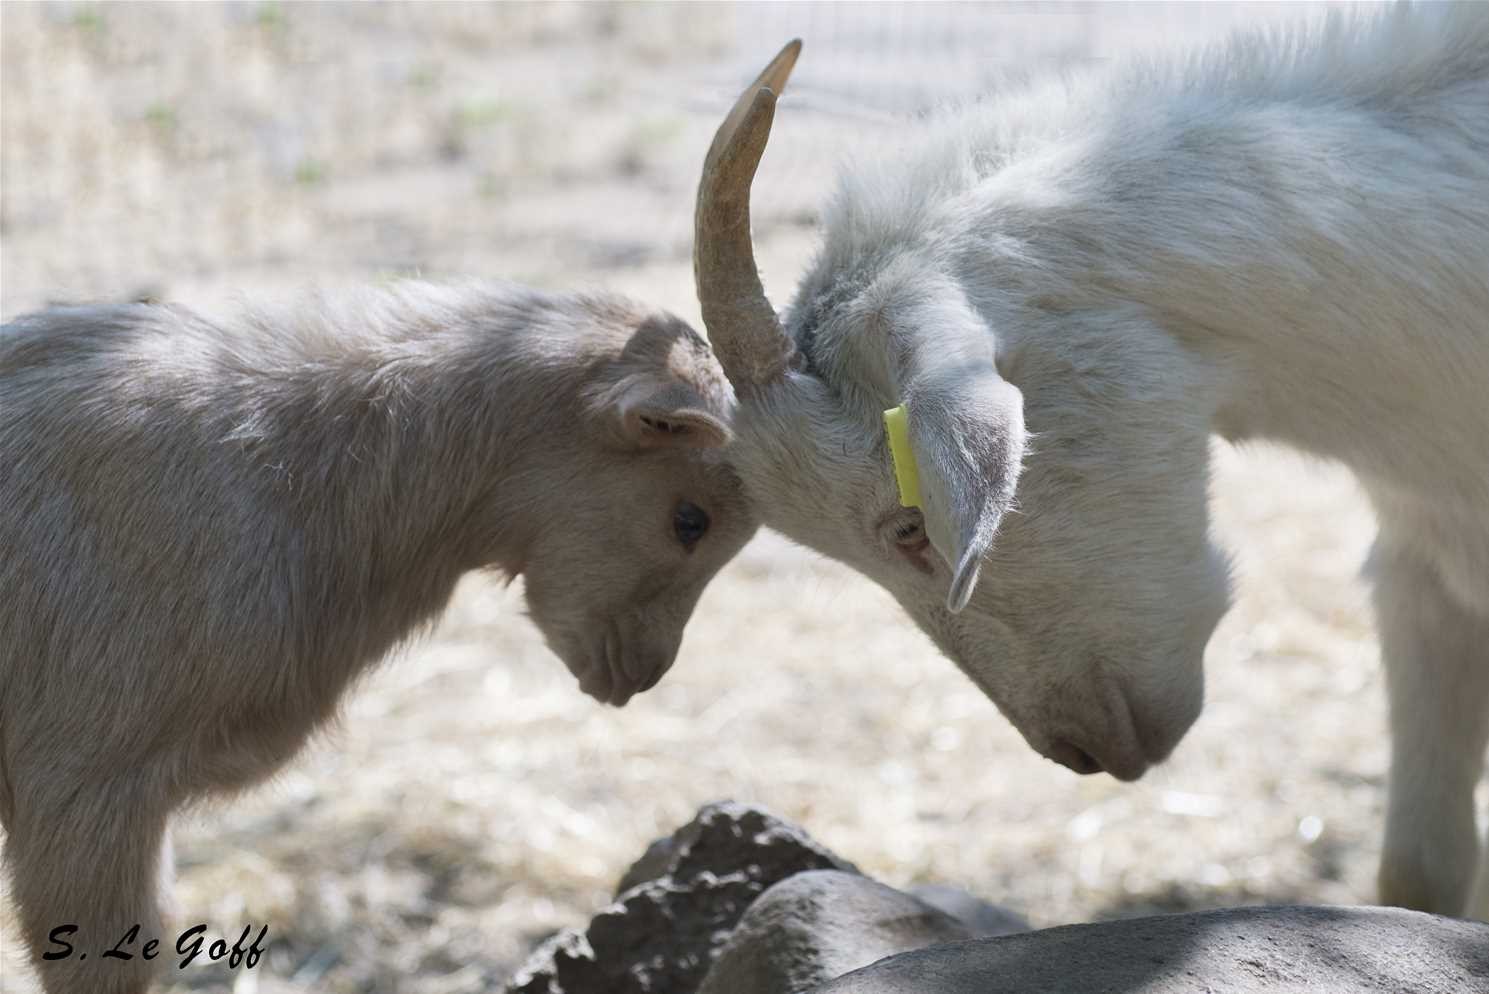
{"x":689,"y":523}
{"x":909,"y":532}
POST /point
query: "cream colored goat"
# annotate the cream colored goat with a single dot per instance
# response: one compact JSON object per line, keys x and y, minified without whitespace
{"x":1071,"y":287}
{"x":208,"y":531}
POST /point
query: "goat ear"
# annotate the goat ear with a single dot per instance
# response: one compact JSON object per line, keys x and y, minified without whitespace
{"x":665,"y":390}
{"x":654,"y":413}
{"x":966,"y":427}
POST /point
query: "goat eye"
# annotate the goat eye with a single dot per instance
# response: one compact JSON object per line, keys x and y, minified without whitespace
{"x":689,"y":523}
{"x":909,"y":531}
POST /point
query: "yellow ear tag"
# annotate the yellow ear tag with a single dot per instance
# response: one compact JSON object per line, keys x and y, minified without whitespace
{"x":897,"y":427}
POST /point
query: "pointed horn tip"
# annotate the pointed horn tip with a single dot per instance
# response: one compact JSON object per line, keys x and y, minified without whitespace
{"x":738,"y":328}
{"x":735,"y":154}
{"x":779,"y":70}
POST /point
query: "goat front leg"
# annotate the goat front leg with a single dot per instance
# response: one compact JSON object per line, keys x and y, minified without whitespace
{"x":85,"y":863}
{"x":1437,"y":679}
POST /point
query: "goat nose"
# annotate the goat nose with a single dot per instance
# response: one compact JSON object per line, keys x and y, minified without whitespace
{"x":1073,"y":757}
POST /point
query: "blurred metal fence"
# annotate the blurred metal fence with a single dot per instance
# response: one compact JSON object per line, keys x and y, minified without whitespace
{"x":146,"y":146}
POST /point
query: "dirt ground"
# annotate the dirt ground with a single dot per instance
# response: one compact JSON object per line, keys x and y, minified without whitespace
{"x":473,"y":801}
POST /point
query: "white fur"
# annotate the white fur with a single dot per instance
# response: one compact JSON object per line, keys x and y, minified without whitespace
{"x":1072,"y":286}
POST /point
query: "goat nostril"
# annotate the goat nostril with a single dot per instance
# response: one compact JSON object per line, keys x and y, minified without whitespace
{"x":1073,"y":757}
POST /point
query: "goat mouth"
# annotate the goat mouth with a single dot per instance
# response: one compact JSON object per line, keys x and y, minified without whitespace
{"x":613,"y":676}
{"x":622,"y":688}
{"x":1130,"y":758}
{"x":597,"y":681}
{"x":1073,"y":757}
{"x":1120,"y":751}
{"x":1117,"y":749}
{"x":599,"y":674}
{"x":1125,"y":764}
{"x":1122,"y":763}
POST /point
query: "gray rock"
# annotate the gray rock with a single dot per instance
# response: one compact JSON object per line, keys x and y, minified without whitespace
{"x":1236,"y":951}
{"x":676,"y":907}
{"x":815,"y":926}
{"x":681,"y":921}
{"x":984,"y":919}
{"x":728,"y":837}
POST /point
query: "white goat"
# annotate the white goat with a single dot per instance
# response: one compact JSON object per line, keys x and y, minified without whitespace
{"x":1071,"y":287}
{"x":210,"y":531}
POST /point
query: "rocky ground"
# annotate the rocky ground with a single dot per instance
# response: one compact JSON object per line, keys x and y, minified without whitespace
{"x":472,"y":801}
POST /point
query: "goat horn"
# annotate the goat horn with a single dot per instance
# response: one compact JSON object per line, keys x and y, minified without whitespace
{"x":751,"y":345}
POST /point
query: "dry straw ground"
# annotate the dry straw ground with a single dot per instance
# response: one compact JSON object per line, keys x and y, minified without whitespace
{"x":472,"y":800}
